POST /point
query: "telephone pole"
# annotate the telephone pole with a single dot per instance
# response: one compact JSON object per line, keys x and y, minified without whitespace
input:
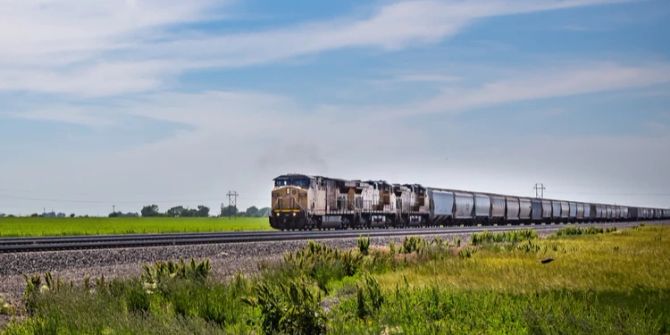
{"x":539,"y":190}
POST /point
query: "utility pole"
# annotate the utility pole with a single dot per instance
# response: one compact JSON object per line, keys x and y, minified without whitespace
{"x":232,"y":198}
{"x":113,"y":208}
{"x":539,"y":190}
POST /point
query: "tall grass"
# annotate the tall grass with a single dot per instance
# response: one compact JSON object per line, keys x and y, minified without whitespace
{"x":569,"y":231}
{"x":442,"y":310}
{"x":596,"y":284}
{"x":512,"y":236}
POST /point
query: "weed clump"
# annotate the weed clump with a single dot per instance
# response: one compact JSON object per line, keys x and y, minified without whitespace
{"x":289,"y":308}
{"x":161,"y":271}
{"x":573,"y":231}
{"x":514,"y":236}
{"x":363,"y":245}
{"x":529,"y":247}
{"x":467,"y":252}
{"x":369,"y":297}
{"x":322,"y":263}
{"x":412,"y":244}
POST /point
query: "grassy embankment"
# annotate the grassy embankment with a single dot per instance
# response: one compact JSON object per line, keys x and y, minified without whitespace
{"x":597,"y":282}
{"x":97,"y":225}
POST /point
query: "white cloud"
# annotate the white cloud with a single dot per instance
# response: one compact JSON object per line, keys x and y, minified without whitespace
{"x":73,"y":46}
{"x":394,"y":26}
{"x":39,"y":30}
{"x":100,"y":79}
{"x":535,"y":84}
{"x":94,"y":48}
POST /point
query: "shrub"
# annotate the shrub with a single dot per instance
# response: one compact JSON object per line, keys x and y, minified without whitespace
{"x":289,"y":308}
{"x":363,"y":245}
{"x":322,"y":264}
{"x":369,"y":297}
{"x":412,"y":244}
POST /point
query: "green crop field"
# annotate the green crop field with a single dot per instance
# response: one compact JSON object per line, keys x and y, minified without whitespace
{"x":579,"y":281}
{"x":88,"y":226}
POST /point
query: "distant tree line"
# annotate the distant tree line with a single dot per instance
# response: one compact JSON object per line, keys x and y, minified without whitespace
{"x":51,"y":215}
{"x":252,"y":211}
{"x":177,"y":211}
{"x":123,"y":215}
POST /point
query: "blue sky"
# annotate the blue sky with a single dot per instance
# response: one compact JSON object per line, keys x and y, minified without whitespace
{"x":134,"y":102}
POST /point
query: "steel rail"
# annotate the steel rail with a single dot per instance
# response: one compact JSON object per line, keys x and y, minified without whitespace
{"x":58,"y":243}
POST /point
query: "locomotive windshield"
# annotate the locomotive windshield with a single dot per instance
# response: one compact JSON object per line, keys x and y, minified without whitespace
{"x":292,"y":181}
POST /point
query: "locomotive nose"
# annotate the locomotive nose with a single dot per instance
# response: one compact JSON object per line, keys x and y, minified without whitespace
{"x":288,"y":204}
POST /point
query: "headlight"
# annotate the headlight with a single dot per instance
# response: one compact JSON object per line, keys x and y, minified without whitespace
{"x":293,"y":213}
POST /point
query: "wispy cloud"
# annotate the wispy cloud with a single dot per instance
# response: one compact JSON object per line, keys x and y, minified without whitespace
{"x":98,"y":79}
{"x":97,"y":48}
{"x":391,"y":27}
{"x":535,"y":84}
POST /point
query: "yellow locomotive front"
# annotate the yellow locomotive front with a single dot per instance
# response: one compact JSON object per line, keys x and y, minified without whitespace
{"x":289,"y":202}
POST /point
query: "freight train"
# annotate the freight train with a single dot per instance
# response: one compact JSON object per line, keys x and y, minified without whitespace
{"x":313,"y":202}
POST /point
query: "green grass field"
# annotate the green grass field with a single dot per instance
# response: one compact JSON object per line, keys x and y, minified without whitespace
{"x":599,"y":282}
{"x":89,"y":226}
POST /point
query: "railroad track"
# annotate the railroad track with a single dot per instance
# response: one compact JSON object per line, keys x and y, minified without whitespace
{"x":33,"y":244}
